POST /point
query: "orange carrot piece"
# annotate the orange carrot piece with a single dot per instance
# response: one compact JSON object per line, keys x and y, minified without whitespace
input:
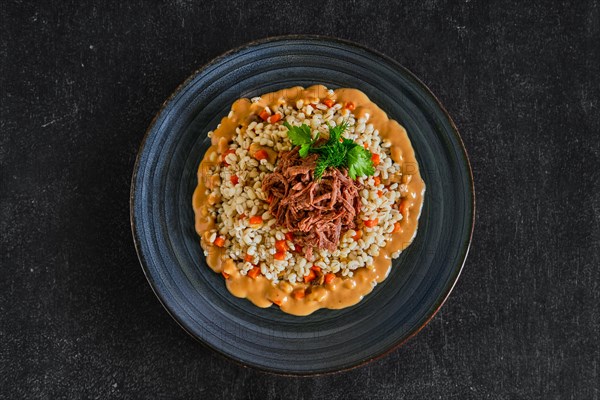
{"x":377,"y":180}
{"x":274,"y":118}
{"x":219,"y":241}
{"x":316,"y":268}
{"x":328,"y":102}
{"x":329,"y":277}
{"x":371,"y":222}
{"x":379,"y":193}
{"x":280,"y":255}
{"x":281,"y":246}
{"x":397,"y":227}
{"x":264,"y":114}
{"x":375,"y":158}
{"x":358,"y":235}
{"x":234,"y":179}
{"x":255,"y":220}
{"x":310,"y":277}
{"x":248,"y":258}
{"x":289,"y":236}
{"x":350,"y":106}
{"x":254,"y":272}
{"x":261,"y":155}
{"x":298,"y":294}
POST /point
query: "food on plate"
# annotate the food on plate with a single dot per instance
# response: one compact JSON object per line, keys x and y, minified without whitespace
{"x":305,"y":196}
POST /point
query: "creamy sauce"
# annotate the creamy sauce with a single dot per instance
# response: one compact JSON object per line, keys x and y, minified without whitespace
{"x":341,"y":292}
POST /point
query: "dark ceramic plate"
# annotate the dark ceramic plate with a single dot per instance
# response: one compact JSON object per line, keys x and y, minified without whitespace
{"x":329,"y":340}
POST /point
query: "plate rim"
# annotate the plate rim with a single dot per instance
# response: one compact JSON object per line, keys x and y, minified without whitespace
{"x":310,"y":37}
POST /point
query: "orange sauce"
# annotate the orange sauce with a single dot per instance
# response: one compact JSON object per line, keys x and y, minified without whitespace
{"x":341,"y":292}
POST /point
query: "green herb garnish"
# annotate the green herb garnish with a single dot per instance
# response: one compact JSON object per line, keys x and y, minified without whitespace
{"x":300,"y":136}
{"x":337,"y":152}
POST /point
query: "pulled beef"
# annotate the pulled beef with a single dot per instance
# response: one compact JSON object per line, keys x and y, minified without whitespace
{"x":317,"y":212}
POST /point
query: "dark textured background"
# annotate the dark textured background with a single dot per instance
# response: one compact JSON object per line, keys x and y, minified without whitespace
{"x":79,"y":86}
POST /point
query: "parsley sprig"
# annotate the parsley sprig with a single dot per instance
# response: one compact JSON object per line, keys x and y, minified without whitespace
{"x":337,"y":152}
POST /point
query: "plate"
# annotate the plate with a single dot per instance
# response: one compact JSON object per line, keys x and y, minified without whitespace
{"x":162,"y":218}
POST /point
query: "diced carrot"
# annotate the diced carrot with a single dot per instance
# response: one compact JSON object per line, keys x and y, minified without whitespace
{"x":261,"y":155}
{"x":358,"y":235}
{"x":377,"y":180}
{"x":298,"y":294}
{"x":371,"y":222}
{"x":254,"y":272}
{"x":234,"y":179}
{"x":264,"y":114}
{"x":248,"y":258}
{"x":227,"y":152}
{"x":316,"y":268}
{"x":289,"y":236}
{"x":225,"y":275}
{"x":328,"y":102}
{"x":350,"y":106}
{"x":281,"y":245}
{"x":219,"y":241}
{"x":280,"y":255}
{"x":310,"y":277}
{"x":379,"y":193}
{"x":366,"y":146}
{"x":375,"y":158}
{"x":329,"y":277}
{"x":255,"y":220}
{"x":397,"y":227}
{"x":274,"y":118}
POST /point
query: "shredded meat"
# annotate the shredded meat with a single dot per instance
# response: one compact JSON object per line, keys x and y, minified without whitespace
{"x":317,"y":212}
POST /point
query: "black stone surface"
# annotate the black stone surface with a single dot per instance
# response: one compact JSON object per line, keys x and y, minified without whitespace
{"x":79,"y":84}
